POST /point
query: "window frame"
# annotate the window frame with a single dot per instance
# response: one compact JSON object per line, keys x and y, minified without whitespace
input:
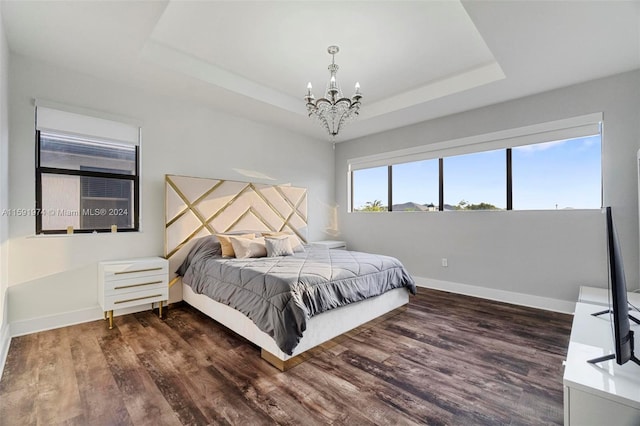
{"x":40,"y":170}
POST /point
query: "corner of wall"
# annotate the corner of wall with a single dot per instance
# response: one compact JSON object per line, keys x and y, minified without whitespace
{"x":5,"y":337}
{"x":4,"y":197}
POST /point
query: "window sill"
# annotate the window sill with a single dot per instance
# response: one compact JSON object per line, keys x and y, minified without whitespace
{"x":83,"y":234}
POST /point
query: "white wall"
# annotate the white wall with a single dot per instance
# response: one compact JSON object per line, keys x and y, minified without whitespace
{"x":53,"y":275}
{"x":4,"y":188}
{"x":548,"y":254}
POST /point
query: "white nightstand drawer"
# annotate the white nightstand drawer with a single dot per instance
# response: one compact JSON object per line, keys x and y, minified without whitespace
{"x":135,"y":298}
{"x":123,"y":270}
{"x":135,"y":284}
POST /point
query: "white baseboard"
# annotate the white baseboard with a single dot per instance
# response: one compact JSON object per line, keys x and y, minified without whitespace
{"x":49,"y":322}
{"x":5,"y":341}
{"x":34,"y":325}
{"x":546,"y":303}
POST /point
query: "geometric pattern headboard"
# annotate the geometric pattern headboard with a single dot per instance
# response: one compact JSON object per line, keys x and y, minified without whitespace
{"x":196,"y":207}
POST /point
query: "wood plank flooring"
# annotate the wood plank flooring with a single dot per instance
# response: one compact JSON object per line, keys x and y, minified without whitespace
{"x":445,"y":360}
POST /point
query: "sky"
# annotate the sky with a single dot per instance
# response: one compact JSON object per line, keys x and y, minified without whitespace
{"x":547,"y":176}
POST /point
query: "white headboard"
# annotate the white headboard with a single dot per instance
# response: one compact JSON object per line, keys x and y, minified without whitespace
{"x":197,"y":207}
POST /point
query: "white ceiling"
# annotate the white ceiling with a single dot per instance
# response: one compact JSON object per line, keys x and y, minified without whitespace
{"x":415,"y":60}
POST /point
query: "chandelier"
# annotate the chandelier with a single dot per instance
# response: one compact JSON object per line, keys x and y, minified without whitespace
{"x":334,"y":109}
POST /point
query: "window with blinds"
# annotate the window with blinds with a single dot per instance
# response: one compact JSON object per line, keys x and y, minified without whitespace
{"x":86,"y":174}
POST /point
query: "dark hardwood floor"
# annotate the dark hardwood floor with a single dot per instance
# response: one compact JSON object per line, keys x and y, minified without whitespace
{"x":446,"y":359}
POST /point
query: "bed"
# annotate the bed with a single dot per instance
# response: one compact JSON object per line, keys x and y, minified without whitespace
{"x":286,"y":305}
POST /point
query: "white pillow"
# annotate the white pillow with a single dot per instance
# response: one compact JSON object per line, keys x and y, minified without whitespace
{"x":225,"y":243}
{"x":245,"y":247}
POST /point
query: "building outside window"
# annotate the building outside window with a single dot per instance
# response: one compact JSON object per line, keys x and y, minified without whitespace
{"x":85,"y":182}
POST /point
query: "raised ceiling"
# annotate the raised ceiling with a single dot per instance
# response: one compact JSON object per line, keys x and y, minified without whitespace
{"x":414,"y":60}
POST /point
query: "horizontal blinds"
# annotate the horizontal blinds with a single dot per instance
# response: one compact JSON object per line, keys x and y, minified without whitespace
{"x":58,"y":121}
{"x":576,"y":127}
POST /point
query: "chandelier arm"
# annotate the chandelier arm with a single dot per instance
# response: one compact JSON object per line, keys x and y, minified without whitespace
{"x":344,"y":99}
{"x":343,"y":118}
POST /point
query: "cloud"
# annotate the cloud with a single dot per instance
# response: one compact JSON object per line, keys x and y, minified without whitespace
{"x":539,"y":146}
{"x":581,"y":144}
{"x":589,"y":142}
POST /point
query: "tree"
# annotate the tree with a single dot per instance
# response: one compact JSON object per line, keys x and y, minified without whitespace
{"x":481,"y":206}
{"x":373,"y":206}
{"x":463,"y":205}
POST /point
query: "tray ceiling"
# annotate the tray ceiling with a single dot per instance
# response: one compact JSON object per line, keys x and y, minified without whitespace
{"x":415,"y":60}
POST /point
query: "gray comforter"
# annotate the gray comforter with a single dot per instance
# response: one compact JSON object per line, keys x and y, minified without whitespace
{"x":279,"y":294}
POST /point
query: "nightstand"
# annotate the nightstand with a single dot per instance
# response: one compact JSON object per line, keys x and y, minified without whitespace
{"x":132,"y":282}
{"x":330,"y":244}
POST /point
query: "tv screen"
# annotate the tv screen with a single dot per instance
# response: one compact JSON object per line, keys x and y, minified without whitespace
{"x":623,"y":335}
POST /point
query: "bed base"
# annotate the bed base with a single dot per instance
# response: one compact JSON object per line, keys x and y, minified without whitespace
{"x":298,"y":359}
{"x":321,"y":328}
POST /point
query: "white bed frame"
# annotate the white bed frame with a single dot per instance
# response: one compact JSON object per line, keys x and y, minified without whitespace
{"x":320,"y":328}
{"x":197,"y":207}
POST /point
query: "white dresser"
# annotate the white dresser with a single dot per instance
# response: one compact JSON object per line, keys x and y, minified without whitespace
{"x":600,"y":296}
{"x":605,"y":393}
{"x":132,"y":282}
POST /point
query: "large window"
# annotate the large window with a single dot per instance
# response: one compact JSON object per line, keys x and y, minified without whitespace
{"x":84,"y":183}
{"x":554,"y":174}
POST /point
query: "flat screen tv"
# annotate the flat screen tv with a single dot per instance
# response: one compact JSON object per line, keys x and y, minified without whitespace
{"x":623,"y":335}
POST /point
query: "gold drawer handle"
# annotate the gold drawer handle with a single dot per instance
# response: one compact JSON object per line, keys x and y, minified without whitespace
{"x":137,"y":298}
{"x":136,"y":285}
{"x":137,"y":270}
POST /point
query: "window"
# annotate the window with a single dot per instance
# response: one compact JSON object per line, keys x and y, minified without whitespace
{"x":415,"y":186}
{"x":87,"y":183}
{"x":370,"y":189}
{"x":555,"y":165}
{"x":475,"y":181}
{"x":558,"y":175}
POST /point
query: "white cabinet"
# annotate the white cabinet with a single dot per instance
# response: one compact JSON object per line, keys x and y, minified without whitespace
{"x":132,"y":282}
{"x":330,"y":244}
{"x":600,"y":296}
{"x":605,"y":393}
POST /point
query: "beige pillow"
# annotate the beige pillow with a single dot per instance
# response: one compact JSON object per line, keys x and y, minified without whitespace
{"x":248,"y":247}
{"x":225,"y":243}
{"x":295,"y":242}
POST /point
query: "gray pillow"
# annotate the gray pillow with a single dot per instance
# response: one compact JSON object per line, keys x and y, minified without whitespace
{"x":295,"y":242}
{"x":278,"y":246}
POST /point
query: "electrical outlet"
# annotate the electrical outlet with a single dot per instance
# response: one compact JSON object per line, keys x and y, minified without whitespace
{"x":445,"y":263}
